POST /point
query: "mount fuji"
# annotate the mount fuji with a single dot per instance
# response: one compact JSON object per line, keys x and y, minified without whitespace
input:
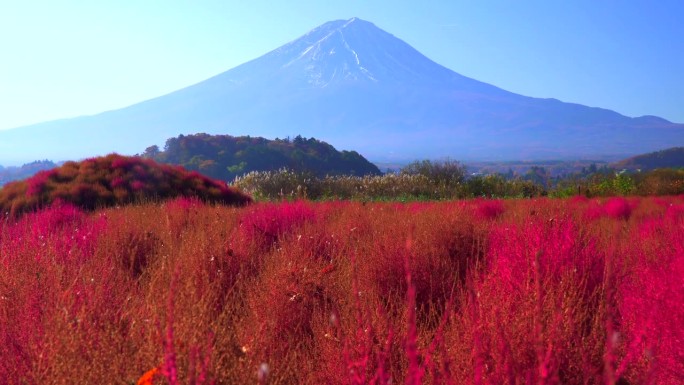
{"x":357,"y":87}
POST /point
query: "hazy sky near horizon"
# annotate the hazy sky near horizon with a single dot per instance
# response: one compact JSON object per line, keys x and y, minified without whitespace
{"x":66,"y":58}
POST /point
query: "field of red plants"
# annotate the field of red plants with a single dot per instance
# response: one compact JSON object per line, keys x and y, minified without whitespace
{"x":540,"y":291}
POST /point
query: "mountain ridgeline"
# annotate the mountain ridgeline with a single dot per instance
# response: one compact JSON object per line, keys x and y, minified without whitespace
{"x":226,"y":157}
{"x":668,"y":158}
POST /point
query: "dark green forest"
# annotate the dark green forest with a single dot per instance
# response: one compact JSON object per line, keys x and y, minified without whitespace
{"x":226,"y":157}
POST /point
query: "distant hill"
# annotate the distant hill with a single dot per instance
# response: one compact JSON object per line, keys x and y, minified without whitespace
{"x":353,"y":85}
{"x":225,"y":157}
{"x":112,"y":180}
{"x":8,"y":174}
{"x":669,"y":158}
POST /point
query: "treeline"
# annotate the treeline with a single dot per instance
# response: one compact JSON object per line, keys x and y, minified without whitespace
{"x":666,"y":181}
{"x":668,"y":158}
{"x":226,"y":157}
{"x":427,"y":180}
{"x":8,"y":174}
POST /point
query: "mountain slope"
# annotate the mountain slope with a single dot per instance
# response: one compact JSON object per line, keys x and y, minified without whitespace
{"x":668,"y":158}
{"x":357,"y":87}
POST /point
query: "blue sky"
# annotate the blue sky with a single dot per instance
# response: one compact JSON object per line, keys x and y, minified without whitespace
{"x":64,"y":58}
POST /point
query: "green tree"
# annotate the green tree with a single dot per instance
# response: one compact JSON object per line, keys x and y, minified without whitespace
{"x":151,"y":152}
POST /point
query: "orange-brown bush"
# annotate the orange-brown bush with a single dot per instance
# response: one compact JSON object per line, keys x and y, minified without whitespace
{"x":112,"y":180}
{"x":541,"y":291}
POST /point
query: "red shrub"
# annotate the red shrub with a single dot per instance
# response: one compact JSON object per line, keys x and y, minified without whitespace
{"x":112,"y":180}
{"x":137,"y":185}
{"x":618,"y":208}
{"x":265,"y":223}
{"x":117,"y":182}
{"x":489,"y":208}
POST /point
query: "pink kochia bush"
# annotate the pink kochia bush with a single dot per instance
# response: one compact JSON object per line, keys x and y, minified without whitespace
{"x":542,"y":291}
{"x":618,"y":208}
{"x":112,"y":180}
{"x":489,"y":208}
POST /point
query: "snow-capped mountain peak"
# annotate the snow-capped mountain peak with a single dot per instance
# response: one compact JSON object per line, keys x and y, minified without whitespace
{"x":332,"y":58}
{"x":357,"y":87}
{"x":353,"y":50}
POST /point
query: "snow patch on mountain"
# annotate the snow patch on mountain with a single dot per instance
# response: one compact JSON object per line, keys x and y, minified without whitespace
{"x":321,"y":70}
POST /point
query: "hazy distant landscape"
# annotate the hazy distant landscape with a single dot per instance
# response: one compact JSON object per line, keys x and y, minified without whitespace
{"x":357,"y":87}
{"x":340,"y":208}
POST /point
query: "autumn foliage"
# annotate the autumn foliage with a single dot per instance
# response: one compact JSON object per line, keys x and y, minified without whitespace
{"x":112,"y":180}
{"x":540,"y":291}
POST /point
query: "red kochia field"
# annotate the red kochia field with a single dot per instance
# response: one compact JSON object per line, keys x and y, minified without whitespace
{"x":538,"y":291}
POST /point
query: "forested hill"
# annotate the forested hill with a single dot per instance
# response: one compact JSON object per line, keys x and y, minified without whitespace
{"x":669,"y":158}
{"x":225,"y":157}
{"x":8,"y":174}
